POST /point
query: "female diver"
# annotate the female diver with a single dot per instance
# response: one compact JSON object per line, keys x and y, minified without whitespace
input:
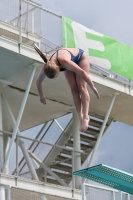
{"x":74,"y":63}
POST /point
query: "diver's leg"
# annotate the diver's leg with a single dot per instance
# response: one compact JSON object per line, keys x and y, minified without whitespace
{"x":71,"y":79}
{"x":82,"y":88}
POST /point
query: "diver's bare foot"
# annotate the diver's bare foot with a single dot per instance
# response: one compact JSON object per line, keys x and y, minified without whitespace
{"x":85,"y":123}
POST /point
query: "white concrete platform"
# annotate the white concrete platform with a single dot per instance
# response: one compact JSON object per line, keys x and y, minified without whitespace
{"x":40,"y":187}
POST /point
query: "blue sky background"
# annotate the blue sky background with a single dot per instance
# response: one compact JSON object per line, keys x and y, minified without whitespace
{"x":112,"y":18}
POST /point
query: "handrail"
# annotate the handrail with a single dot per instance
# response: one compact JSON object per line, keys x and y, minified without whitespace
{"x":54,"y":145}
{"x":39,"y":6}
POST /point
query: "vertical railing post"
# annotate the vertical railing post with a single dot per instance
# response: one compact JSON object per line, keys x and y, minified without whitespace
{"x":83,"y":192}
{"x":2,"y":192}
{"x":6,"y":146}
{"x":76,"y":147}
{"x":20,"y":25}
{"x":73,"y":177}
{"x":1,"y":134}
{"x":113,"y":194}
{"x":128,"y":196}
{"x":17,"y":141}
{"x":27,"y":17}
{"x":33,"y":21}
{"x":120,"y":195}
{"x":8,"y":193}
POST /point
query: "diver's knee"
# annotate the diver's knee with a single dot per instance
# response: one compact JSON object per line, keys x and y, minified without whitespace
{"x":82,"y":89}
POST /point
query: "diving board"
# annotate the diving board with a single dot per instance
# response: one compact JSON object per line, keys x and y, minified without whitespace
{"x":109,"y":176}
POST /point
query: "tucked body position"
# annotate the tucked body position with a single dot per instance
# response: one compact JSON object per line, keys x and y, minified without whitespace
{"x":74,"y":63}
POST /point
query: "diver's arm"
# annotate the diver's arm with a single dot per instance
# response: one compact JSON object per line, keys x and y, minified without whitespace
{"x":75,"y":68}
{"x":39,"y":81}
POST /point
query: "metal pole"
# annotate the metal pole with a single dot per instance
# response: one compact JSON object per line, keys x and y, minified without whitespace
{"x":48,"y":169}
{"x":83,"y":192}
{"x":49,"y":144}
{"x":2,"y":192}
{"x":128,"y":196}
{"x":23,"y":148}
{"x":2,"y":189}
{"x":19,"y":117}
{"x":33,"y":23}
{"x":8,"y":196}
{"x":73,"y":177}
{"x":120,"y":195}
{"x":6,"y":146}
{"x":102,"y":130}
{"x":20,"y":24}
{"x":27,"y":17}
{"x":1,"y":134}
{"x":40,"y":7}
{"x":58,"y":124}
{"x":26,"y":156}
{"x":113,"y":194}
{"x":76,"y":146}
{"x":17,"y":167}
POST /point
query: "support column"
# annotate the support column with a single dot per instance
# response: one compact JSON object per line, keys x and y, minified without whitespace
{"x":102,"y":130}
{"x":8,"y":193}
{"x":21,"y":143}
{"x":2,"y":192}
{"x":1,"y":134}
{"x":4,"y":139}
{"x":19,"y":117}
{"x":6,"y":146}
{"x":76,"y":146}
{"x":2,"y":189}
{"x":83,"y":192}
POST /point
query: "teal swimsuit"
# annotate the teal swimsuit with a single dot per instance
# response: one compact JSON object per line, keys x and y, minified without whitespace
{"x":75,"y":59}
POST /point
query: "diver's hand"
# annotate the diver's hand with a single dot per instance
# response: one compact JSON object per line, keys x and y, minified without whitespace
{"x":96,"y":92}
{"x":43,"y":100}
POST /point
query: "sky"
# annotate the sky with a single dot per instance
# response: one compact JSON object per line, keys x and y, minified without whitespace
{"x":112,"y":18}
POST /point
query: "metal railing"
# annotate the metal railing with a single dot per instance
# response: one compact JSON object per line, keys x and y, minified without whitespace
{"x":99,"y":192}
{"x":18,"y":193}
{"x":16,"y":172}
{"x":31,"y":18}
{"x":89,"y":191}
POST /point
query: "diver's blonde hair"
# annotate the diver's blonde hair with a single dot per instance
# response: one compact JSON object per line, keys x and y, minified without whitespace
{"x":49,"y":66}
{"x":50,"y":69}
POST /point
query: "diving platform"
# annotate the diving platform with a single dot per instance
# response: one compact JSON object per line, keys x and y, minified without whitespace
{"x":108,"y":176}
{"x":22,"y":188}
